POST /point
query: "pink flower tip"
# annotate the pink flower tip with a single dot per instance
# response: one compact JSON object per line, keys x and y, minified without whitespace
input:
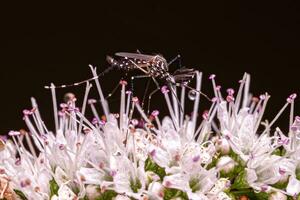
{"x":135,"y":99}
{"x":134,"y":122}
{"x":155,"y":113}
{"x":262,"y":97}
{"x":230,"y":91}
{"x":27,"y":112}
{"x":164,"y":89}
{"x":229,"y":98}
{"x":92,"y":101}
{"x":291,"y":98}
{"x":212,"y":76}
{"x":123,"y":82}
{"x":14,"y":133}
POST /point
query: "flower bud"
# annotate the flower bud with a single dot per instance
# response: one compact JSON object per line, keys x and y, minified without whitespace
{"x":152,"y":176}
{"x":92,"y":192}
{"x":156,"y":189}
{"x":121,"y":197}
{"x":223,"y":146}
{"x":277,"y":196}
{"x":225,"y":164}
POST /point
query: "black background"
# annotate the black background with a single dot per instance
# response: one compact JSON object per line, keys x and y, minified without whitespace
{"x":55,"y":43}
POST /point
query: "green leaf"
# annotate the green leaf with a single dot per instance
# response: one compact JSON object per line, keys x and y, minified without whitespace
{"x":250,"y":194}
{"x":84,"y":198}
{"x":277,"y":152}
{"x":240,"y":181}
{"x":281,"y":185}
{"x":135,"y":185}
{"x":107,"y":195}
{"x":262,"y":196}
{"x":150,"y":165}
{"x":20,"y":194}
{"x":53,"y":187}
{"x":298,"y":173}
{"x":171,"y":193}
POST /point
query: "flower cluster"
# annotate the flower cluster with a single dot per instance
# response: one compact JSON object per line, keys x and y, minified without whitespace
{"x":226,"y":153}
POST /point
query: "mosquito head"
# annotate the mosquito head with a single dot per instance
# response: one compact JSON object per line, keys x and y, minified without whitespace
{"x":110,"y":60}
{"x":161,"y":62}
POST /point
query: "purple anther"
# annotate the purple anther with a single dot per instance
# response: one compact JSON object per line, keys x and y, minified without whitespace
{"x":229,"y":98}
{"x":282,"y":171}
{"x":134,"y":122}
{"x":152,"y":153}
{"x":63,"y":105}
{"x":61,"y":147}
{"x":113,"y":173}
{"x":123,"y":82}
{"x":262,"y":97}
{"x":230,"y":91}
{"x":155,"y":113}
{"x":27,"y":112}
{"x":18,"y":162}
{"x":212,"y":76}
{"x":291,"y":98}
{"x":205,"y":115}
{"x":95,"y":121}
{"x":264,"y":188}
{"x":294,"y":128}
{"x":92,"y":101}
{"x":128,"y":92}
{"x":164,"y":89}
{"x":102,"y":122}
{"x":14,"y":133}
{"x":196,"y":158}
{"x":135,"y":99}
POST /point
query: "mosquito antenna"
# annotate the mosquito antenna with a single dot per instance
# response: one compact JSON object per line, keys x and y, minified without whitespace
{"x":113,"y":91}
{"x":82,"y":82}
{"x":193,"y":89}
{"x":178,"y":57}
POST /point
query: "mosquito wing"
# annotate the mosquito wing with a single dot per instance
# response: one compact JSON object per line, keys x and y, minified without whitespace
{"x":135,"y":56}
{"x":184,"y":75}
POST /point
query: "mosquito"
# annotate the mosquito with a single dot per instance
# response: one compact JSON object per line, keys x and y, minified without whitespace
{"x":154,"y":67}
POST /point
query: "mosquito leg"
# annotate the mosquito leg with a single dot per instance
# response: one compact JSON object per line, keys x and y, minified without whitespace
{"x":113,"y":91}
{"x":149,"y":99}
{"x":193,"y":89}
{"x":146,"y":91}
{"x":152,"y":93}
{"x":136,"y":77}
{"x":177,"y":58}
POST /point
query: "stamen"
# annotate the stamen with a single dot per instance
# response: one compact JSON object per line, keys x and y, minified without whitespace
{"x":102,"y":99}
{"x":164,"y":90}
{"x":54,"y":106}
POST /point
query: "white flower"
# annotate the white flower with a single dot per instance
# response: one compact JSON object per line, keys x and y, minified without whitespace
{"x":226,"y":164}
{"x":277,"y":196}
{"x":121,"y":197}
{"x":92,"y":192}
{"x":64,"y":193}
{"x":293,"y":187}
{"x":267,"y":170}
{"x":155,"y":190}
